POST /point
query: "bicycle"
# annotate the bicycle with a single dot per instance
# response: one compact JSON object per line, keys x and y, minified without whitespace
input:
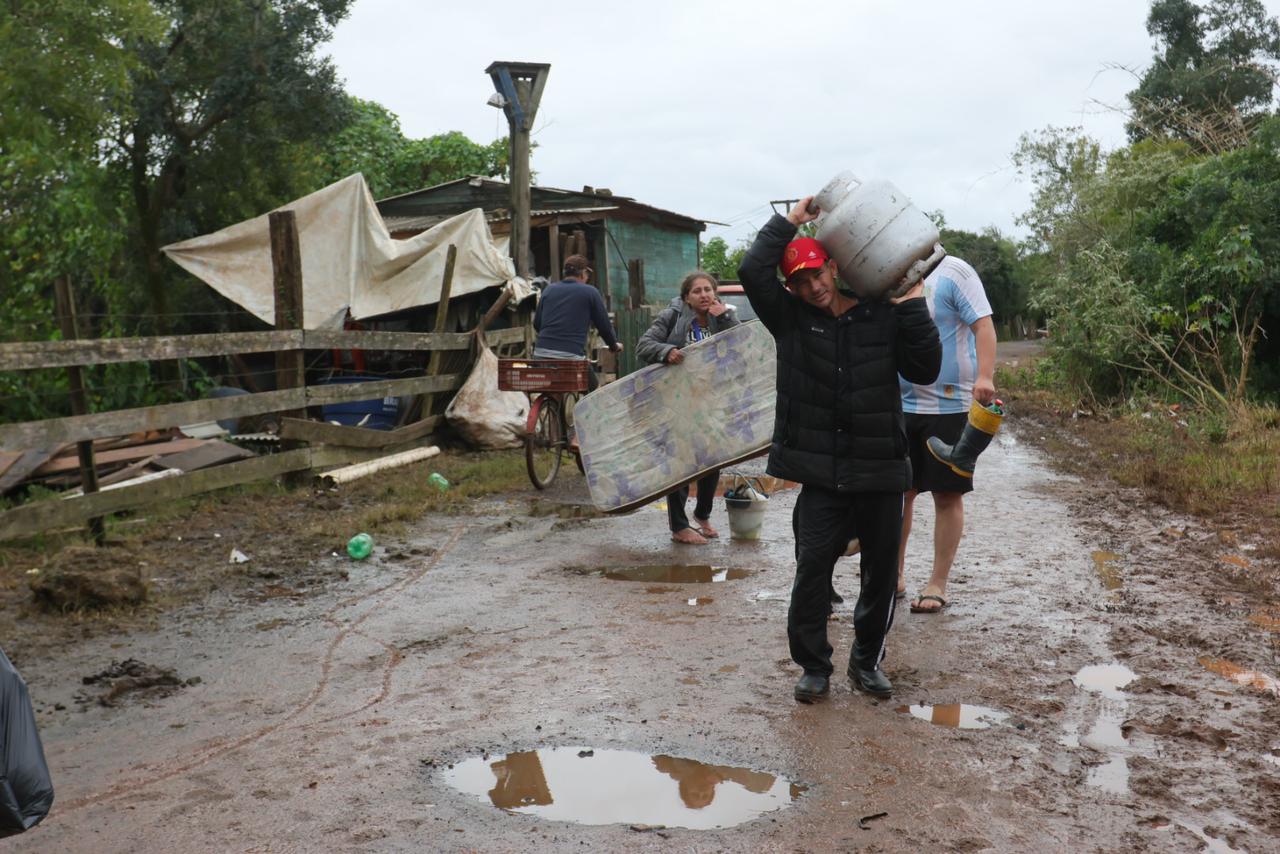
{"x":553,"y":385}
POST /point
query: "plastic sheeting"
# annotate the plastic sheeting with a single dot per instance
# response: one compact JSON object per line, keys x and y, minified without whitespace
{"x":485,"y":416}
{"x":26,"y":792}
{"x":666,"y":425}
{"x":349,"y":259}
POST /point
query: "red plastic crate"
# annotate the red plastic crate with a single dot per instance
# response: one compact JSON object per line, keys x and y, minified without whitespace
{"x":543,"y":374}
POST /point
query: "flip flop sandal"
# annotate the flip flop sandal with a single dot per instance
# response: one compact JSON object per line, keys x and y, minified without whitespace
{"x":899,"y":594}
{"x":919,"y":600}
{"x":708,"y":533}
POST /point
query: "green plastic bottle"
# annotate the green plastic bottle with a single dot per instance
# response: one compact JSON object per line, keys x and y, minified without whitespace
{"x":360,"y":546}
{"x":438,"y":481}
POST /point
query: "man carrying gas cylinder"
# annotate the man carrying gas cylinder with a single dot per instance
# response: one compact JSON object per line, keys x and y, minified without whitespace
{"x":839,"y":432}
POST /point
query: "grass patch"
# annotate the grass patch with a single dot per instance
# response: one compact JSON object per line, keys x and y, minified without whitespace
{"x":1204,"y":463}
{"x":386,"y":502}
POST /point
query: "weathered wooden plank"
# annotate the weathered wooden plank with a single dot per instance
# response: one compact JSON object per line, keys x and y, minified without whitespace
{"x":318,"y":432}
{"x":28,"y":355}
{"x":40,"y":434}
{"x":121,"y":455}
{"x":347,"y":339}
{"x":505,"y":336}
{"x":66,"y":308}
{"x":339,"y":392}
{"x":286,"y":267}
{"x":442,"y":323}
{"x":53,"y":513}
{"x":26,"y":463}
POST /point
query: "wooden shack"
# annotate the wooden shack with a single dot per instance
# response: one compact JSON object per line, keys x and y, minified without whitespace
{"x":611,"y":230}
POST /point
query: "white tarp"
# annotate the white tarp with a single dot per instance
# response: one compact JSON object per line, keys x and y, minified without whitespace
{"x":349,"y":259}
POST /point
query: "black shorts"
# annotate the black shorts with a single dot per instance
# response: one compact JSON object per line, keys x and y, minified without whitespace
{"x":927,"y":474}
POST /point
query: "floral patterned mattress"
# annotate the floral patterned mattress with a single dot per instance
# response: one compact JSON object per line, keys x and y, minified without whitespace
{"x":666,"y":425}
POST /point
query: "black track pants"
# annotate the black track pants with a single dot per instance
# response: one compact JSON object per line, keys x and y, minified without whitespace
{"x":825,"y":521}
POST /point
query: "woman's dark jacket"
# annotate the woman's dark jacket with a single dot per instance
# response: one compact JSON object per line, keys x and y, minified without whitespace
{"x":670,"y":329}
{"x":839,"y":423}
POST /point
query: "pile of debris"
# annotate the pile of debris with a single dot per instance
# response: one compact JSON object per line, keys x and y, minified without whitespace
{"x":121,"y":460}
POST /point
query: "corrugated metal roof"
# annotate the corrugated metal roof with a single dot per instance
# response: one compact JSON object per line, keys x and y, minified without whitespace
{"x":422,"y":223}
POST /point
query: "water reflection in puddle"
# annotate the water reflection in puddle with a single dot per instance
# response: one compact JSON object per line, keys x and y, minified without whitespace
{"x":1104,"y":679}
{"x":1106,"y":736}
{"x":1105,"y":565}
{"x":956,"y":715}
{"x":622,"y":787}
{"x":701,"y":600}
{"x":668,"y":573}
{"x":1239,"y":675}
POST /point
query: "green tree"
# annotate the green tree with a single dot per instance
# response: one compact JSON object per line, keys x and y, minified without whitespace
{"x":373,"y":144}
{"x":222,"y":104}
{"x":721,"y":261}
{"x":995,"y":258}
{"x":1213,"y":76}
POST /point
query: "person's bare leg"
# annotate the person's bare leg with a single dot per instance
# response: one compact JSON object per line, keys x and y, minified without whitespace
{"x":908,"y":501}
{"x":948,"y":527}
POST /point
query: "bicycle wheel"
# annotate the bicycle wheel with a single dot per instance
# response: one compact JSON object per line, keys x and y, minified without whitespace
{"x":545,"y":443}
{"x":571,"y":400}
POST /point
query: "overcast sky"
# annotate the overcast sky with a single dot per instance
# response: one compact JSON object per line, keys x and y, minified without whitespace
{"x":712,"y":109}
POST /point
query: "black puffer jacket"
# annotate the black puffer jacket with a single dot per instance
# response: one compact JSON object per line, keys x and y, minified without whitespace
{"x":839,"y":423}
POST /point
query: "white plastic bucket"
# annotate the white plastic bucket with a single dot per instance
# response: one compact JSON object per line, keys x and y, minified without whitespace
{"x":745,"y":521}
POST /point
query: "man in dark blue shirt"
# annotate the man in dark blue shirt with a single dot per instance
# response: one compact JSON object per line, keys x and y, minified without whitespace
{"x":565,"y":312}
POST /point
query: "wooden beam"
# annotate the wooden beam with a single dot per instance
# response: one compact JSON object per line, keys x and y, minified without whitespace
{"x":34,"y":355}
{"x":339,"y":392}
{"x":66,"y":307}
{"x":38,"y":434}
{"x":323,"y":339}
{"x":29,"y":355}
{"x":320,"y":433}
{"x":442,"y":322}
{"x":286,"y":267}
{"x":553,"y":243}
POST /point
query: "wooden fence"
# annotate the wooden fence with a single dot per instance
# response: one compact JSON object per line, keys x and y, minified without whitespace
{"x":329,"y":444}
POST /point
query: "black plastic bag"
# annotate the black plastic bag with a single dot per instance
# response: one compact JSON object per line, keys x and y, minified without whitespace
{"x":26,"y":792}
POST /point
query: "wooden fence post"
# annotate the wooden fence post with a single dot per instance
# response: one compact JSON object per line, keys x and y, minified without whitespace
{"x":286,"y":263}
{"x":442,"y":320}
{"x":79,"y":401}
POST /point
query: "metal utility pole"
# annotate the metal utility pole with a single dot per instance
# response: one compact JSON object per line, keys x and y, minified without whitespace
{"x":519,"y":86}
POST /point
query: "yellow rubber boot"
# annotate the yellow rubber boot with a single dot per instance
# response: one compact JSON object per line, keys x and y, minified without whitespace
{"x":962,"y":457}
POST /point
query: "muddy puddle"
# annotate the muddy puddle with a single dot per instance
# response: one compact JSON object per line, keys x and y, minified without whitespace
{"x":1106,"y":680}
{"x":955,"y":715}
{"x":1107,"y":566}
{"x":1105,"y":735}
{"x":593,"y":786}
{"x":667,"y":573}
{"x":539,"y":507}
{"x":1244,"y":677}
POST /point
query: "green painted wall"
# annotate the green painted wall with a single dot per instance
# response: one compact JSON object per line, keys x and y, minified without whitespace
{"x":668,"y":256}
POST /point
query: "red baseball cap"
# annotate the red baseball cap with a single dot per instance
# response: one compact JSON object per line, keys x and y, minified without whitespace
{"x":803,"y":253}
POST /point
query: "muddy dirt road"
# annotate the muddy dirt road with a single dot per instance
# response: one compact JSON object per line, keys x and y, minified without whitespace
{"x":1124,"y":663}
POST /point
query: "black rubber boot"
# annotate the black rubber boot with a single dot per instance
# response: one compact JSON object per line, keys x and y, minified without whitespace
{"x":962,"y":457}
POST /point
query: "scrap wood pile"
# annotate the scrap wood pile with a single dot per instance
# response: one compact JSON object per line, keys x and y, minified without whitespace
{"x":120,"y":460}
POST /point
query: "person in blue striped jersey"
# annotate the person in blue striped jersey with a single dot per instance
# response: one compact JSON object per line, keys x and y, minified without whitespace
{"x":959,"y":306}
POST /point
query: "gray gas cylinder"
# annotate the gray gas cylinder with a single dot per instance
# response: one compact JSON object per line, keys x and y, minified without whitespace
{"x":881,"y":243}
